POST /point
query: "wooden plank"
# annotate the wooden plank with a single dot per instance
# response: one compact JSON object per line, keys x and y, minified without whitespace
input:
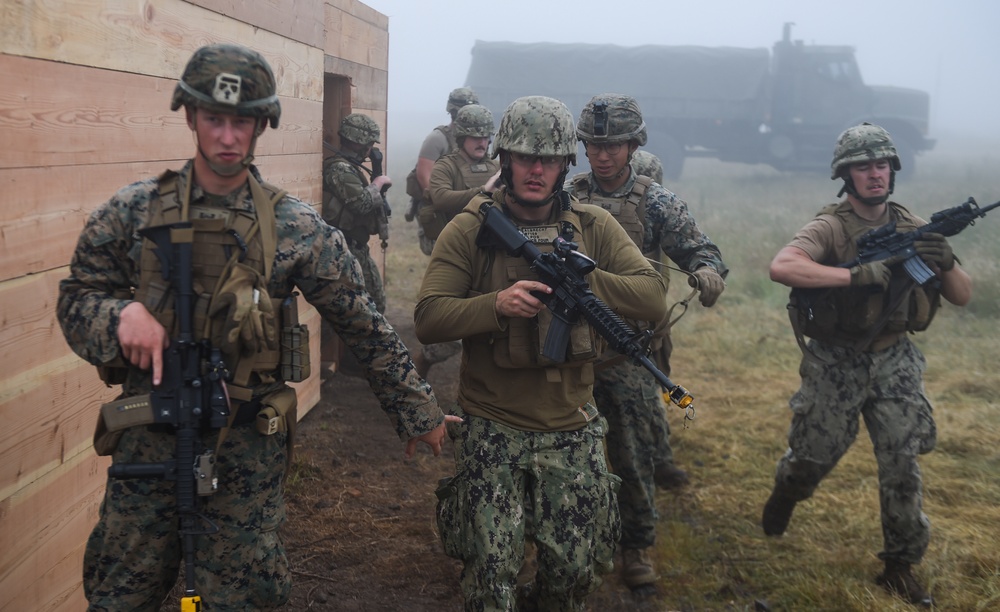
{"x":40,"y":225}
{"x":301,"y":20}
{"x":43,"y":532}
{"x":30,"y":336}
{"x":49,"y":124}
{"x":369,"y":86}
{"x":152,"y":37}
{"x":64,"y":397}
{"x":355,"y":39}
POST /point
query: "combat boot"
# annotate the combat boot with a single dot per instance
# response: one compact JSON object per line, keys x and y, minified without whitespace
{"x":899,"y":581}
{"x":637,"y":568}
{"x":777,"y":512}
{"x":668,"y":477}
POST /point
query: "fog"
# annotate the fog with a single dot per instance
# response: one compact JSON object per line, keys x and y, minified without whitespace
{"x":948,"y":49}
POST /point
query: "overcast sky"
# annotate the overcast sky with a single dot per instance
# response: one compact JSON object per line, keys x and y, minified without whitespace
{"x":949,"y":49}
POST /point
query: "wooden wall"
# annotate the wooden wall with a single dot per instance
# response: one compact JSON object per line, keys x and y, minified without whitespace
{"x":84,"y":110}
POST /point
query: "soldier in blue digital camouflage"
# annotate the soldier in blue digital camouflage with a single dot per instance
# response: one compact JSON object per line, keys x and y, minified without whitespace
{"x":859,"y":361}
{"x":352,"y":204}
{"x":529,"y":455}
{"x":612,"y":129}
{"x":253,"y":244}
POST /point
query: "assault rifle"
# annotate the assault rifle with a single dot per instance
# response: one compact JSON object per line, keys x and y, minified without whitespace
{"x":191,"y":393}
{"x":383,"y":221}
{"x":885,"y":242}
{"x":564,"y":270}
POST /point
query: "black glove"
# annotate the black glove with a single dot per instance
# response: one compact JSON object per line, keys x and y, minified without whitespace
{"x":933,"y":248}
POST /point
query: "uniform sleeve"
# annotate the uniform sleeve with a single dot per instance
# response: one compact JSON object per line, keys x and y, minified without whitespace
{"x":816,"y":238}
{"x":314,"y":257}
{"x":447,"y":306}
{"x":671,"y":227}
{"x":101,"y":275}
{"x":358,"y":198}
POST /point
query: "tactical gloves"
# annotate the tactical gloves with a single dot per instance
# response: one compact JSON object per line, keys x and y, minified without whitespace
{"x":933,"y":248}
{"x":709,"y":283}
{"x":872,"y":274}
{"x":248,"y":323}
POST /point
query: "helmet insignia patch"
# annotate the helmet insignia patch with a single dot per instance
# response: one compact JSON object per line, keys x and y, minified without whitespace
{"x":227,"y":88}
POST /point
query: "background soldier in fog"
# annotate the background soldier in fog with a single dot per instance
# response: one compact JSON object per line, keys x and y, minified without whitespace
{"x":532,"y":439}
{"x":455,"y":179}
{"x":254,"y":244}
{"x":860,"y":361}
{"x":439,"y":142}
{"x":612,"y":129}
{"x":350,"y":203}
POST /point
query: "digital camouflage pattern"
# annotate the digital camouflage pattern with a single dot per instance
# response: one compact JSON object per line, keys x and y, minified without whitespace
{"x":669,"y":227}
{"x":611,"y":118}
{"x":474,"y":120}
{"x":360,"y":205}
{"x":885,"y":388}
{"x":360,"y":129}
{"x":646,"y":164}
{"x":865,"y":142}
{"x":459,"y":97}
{"x":537,"y":125}
{"x":133,"y":554}
{"x":311,"y":257}
{"x":629,"y":398}
{"x":508,"y":479}
{"x":230,"y":79}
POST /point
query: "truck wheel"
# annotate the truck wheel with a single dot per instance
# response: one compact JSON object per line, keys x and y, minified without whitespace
{"x":671,"y":155}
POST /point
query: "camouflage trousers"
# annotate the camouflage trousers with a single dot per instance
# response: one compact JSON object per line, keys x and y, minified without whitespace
{"x":629,"y":398}
{"x":133,"y":554}
{"x":373,"y":280}
{"x":506,"y":479}
{"x":426,"y":244}
{"x":886,"y":389}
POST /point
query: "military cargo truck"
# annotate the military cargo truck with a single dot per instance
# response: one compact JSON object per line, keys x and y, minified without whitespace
{"x":783,"y":107}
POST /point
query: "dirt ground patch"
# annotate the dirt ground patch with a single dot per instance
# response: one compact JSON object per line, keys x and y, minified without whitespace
{"x":360,"y":533}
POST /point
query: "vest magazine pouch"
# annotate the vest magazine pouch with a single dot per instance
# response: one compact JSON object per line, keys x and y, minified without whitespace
{"x":116,"y":417}
{"x":432,"y":222}
{"x":413,"y":186}
{"x":581,"y":346}
{"x":294,"y":358}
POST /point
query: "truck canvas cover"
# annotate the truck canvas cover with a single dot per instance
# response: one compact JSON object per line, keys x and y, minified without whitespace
{"x":682,"y":81}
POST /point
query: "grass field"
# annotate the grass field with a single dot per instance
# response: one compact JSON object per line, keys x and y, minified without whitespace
{"x":740,"y":361}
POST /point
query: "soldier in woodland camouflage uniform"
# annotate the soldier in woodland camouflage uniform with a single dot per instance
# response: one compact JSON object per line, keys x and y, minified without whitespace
{"x":112,"y":316}
{"x":860,"y":361}
{"x":645,"y":163}
{"x":612,"y":129}
{"x":350,"y":203}
{"x":530,"y":450}
{"x":455,"y":179}
{"x":440,"y":142}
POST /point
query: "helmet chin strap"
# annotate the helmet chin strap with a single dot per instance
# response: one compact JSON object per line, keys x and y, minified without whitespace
{"x":850,"y":189}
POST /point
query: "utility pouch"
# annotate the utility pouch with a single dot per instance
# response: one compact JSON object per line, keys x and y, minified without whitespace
{"x":277,"y":413}
{"x":413,"y":186}
{"x":294,"y":342}
{"x":116,"y":417}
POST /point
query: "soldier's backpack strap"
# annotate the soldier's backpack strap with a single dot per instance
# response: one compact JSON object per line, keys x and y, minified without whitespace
{"x":265,"y":197}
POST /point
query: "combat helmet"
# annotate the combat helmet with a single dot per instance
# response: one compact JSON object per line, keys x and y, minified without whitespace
{"x":474,"y":120}
{"x":460,"y":97}
{"x":231,"y":79}
{"x":611,"y":117}
{"x":865,"y":142}
{"x":360,"y":129}
{"x":646,"y":164}
{"x":537,"y":125}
